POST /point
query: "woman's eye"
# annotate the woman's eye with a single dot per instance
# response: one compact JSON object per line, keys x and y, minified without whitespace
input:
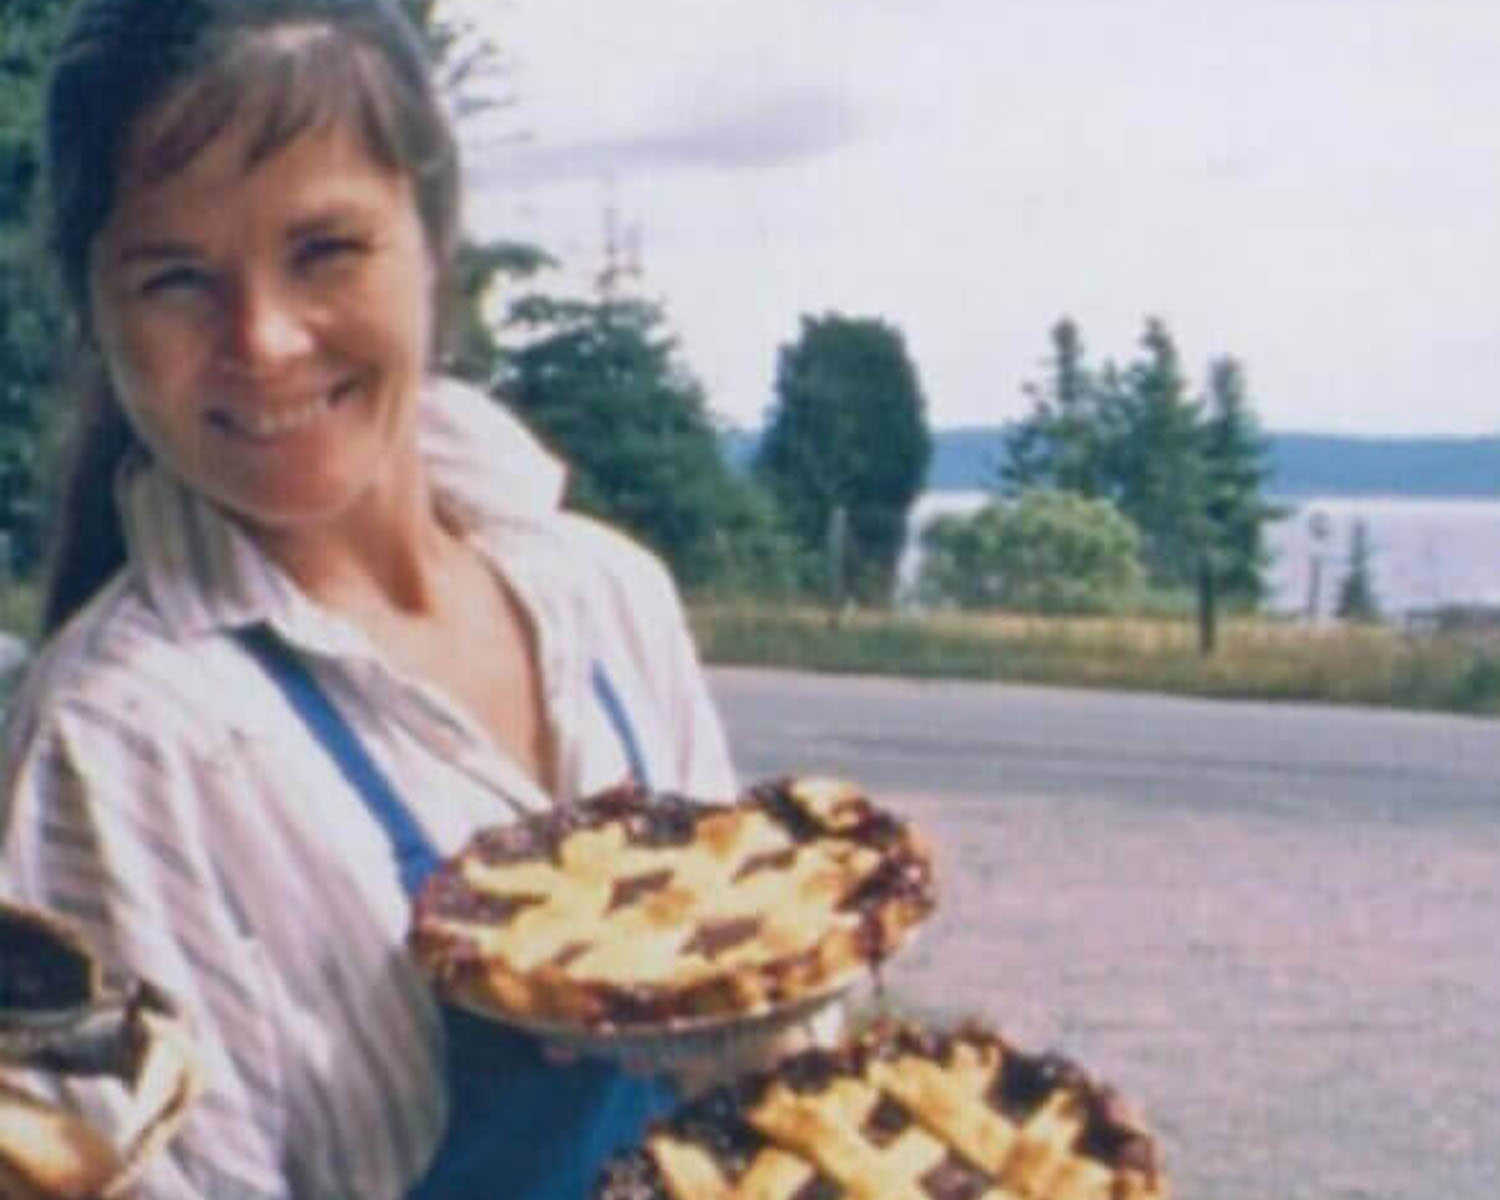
{"x":328,"y":250}
{"x":176,"y":280}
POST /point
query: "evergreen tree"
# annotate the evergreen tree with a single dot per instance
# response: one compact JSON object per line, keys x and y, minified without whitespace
{"x":30,"y":315}
{"x":1187,"y":473}
{"x":600,"y":381}
{"x":1356,"y":600}
{"x":1064,"y":442}
{"x":848,"y":432}
{"x":1163,"y":477}
{"x":1237,"y":470}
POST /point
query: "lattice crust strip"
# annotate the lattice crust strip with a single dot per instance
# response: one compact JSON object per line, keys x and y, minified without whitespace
{"x":899,"y":1114}
{"x":633,"y":909}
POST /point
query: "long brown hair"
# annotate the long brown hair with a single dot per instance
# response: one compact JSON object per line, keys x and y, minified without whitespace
{"x":357,"y":60}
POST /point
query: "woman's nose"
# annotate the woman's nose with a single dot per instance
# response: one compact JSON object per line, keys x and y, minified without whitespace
{"x":264,"y":328}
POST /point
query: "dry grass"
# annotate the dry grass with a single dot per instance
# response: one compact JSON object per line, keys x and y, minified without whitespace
{"x":1254,"y":658}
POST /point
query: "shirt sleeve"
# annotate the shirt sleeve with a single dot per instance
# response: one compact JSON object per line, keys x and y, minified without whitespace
{"x":106,"y":826}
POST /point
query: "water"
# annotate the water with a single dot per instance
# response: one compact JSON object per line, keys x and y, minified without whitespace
{"x":1424,"y":552}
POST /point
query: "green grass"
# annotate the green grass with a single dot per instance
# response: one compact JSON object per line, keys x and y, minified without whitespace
{"x":1255,"y":658}
{"x":20,"y":610}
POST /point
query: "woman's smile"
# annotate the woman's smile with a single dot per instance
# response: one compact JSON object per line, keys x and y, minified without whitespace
{"x":279,"y":420}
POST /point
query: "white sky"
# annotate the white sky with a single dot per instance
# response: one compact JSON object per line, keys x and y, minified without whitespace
{"x":1312,"y":186}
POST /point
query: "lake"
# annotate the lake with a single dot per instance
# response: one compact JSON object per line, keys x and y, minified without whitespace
{"x":1424,"y":551}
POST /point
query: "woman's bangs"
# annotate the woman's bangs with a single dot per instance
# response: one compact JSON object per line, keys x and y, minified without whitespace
{"x":284,"y":85}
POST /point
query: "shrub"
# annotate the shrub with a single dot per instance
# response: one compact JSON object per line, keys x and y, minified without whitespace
{"x":1045,"y":551}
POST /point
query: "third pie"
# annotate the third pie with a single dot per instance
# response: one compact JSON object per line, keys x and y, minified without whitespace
{"x":898,"y":1114}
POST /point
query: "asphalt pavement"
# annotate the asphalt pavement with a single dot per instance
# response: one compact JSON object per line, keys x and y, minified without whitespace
{"x":1275,"y":928}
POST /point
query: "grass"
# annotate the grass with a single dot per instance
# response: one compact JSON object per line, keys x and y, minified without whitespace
{"x":1254,"y":658}
{"x":20,"y":610}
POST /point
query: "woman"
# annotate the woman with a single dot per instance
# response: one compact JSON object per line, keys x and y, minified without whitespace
{"x":281,"y":522}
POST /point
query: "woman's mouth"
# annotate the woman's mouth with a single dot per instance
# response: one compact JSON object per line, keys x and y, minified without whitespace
{"x":274,"y":421}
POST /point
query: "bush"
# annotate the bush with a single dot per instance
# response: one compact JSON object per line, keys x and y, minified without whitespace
{"x":1046,"y":551}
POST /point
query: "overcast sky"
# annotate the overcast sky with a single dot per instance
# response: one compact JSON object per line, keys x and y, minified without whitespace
{"x":1312,"y":186}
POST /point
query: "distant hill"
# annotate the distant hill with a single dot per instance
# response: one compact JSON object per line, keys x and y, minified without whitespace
{"x":1308,"y":464}
{"x":1302,"y":464}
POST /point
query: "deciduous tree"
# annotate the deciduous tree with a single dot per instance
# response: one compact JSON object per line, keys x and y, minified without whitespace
{"x":848,"y":432}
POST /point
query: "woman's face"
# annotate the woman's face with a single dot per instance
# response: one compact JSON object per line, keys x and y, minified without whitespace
{"x":267,"y":329}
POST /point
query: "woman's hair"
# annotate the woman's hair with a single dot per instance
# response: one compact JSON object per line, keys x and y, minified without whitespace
{"x":289,"y":66}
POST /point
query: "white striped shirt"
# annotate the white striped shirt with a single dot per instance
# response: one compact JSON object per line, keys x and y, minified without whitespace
{"x":160,"y":793}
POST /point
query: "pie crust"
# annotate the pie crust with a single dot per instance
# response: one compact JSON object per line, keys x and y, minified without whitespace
{"x":59,"y":1017}
{"x":898,"y":1113}
{"x":633,"y":910}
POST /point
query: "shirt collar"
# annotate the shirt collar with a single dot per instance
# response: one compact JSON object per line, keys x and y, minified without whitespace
{"x":203,"y":573}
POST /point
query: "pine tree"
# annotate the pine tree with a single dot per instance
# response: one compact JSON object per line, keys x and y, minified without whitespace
{"x":1237,"y":470}
{"x":1357,"y":600}
{"x":600,"y":381}
{"x":1064,"y":442}
{"x":1163,"y":477}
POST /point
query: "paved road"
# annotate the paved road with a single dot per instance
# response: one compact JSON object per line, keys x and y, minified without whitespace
{"x":1276,"y":927}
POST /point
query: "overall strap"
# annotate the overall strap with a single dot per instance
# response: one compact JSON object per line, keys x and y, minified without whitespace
{"x":415,"y":855}
{"x":614,"y":708}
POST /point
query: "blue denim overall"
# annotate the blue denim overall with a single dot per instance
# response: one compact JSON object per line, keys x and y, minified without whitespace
{"x":519,"y":1127}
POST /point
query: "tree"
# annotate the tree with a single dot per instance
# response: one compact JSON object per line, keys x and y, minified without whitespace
{"x":848,"y":431}
{"x":1043,"y":551}
{"x":1235,"y":454}
{"x":1163,"y":478}
{"x":30,"y":315}
{"x":1066,"y":440}
{"x":1188,"y":472}
{"x":1356,"y":600}
{"x":474,"y":352}
{"x":599,"y":380}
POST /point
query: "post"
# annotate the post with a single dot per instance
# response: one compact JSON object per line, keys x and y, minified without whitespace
{"x":1208,"y":601}
{"x":1318,"y":526}
{"x":838,"y":556}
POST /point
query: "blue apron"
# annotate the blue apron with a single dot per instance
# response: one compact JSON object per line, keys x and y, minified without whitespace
{"x":519,"y":1127}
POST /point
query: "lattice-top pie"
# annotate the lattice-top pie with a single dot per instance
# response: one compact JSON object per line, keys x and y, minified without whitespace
{"x":632,"y":910}
{"x":59,"y":1017}
{"x":898,"y":1114}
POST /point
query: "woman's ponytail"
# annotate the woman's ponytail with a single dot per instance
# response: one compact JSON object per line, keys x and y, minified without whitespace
{"x":88,"y":542}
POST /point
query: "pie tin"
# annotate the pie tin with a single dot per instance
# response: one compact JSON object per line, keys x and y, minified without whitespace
{"x":721,"y":1038}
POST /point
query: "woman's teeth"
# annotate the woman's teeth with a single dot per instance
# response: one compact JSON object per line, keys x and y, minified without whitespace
{"x":285,"y":420}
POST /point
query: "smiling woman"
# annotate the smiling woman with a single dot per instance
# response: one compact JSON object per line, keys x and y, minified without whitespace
{"x":316,"y":614}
